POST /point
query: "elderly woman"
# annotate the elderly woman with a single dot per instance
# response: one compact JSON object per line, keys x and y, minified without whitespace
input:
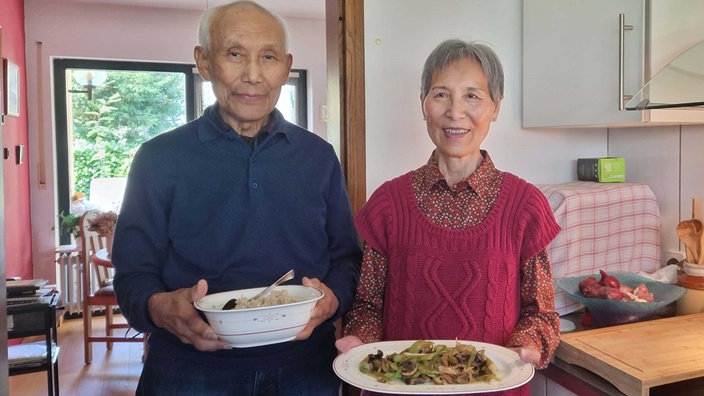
{"x":456,"y":249}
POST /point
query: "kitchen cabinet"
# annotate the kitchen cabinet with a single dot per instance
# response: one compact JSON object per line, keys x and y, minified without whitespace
{"x":575,"y":54}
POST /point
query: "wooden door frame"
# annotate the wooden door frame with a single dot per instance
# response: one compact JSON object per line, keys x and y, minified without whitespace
{"x":4,"y":369}
{"x":344,"y":24}
{"x":344,"y":27}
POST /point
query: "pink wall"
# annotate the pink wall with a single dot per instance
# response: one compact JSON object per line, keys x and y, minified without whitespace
{"x":18,"y":230}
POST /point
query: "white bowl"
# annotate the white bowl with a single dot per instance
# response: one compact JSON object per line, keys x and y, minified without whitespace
{"x":251,"y":327}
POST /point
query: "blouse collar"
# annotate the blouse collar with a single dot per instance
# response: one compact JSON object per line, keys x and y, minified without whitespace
{"x":481,"y":180}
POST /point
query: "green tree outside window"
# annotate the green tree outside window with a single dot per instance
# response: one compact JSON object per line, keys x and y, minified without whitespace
{"x":128,"y":109}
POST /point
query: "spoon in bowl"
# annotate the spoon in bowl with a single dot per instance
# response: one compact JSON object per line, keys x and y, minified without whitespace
{"x":232,"y":303}
{"x":286,"y":277}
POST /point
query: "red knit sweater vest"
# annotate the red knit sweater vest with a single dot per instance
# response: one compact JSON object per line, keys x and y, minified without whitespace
{"x":454,"y":284}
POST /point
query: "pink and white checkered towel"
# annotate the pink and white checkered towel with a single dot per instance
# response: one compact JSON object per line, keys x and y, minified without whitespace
{"x":609,"y":226}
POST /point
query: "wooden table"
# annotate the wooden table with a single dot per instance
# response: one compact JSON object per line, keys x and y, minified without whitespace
{"x":639,"y":356}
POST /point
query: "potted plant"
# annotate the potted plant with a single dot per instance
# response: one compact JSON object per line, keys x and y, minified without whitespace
{"x":68,"y":224}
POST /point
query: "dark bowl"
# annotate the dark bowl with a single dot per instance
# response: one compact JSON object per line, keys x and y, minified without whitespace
{"x":612,"y":312}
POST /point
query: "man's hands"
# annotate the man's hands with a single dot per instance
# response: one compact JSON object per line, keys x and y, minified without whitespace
{"x":324,"y":309}
{"x":174,"y":311}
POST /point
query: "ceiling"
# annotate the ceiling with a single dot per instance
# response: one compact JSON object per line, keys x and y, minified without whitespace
{"x":286,"y":8}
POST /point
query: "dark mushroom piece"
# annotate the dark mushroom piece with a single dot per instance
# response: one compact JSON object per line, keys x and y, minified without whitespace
{"x":230,"y":304}
{"x":409,"y":367}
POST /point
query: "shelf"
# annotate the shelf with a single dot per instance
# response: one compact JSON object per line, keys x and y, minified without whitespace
{"x":34,"y":319}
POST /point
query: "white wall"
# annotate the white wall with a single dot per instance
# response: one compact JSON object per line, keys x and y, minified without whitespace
{"x":668,"y":159}
{"x":399,"y":35}
{"x":83,"y":30}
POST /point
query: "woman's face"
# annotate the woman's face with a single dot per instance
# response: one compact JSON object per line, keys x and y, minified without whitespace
{"x":458,"y":110}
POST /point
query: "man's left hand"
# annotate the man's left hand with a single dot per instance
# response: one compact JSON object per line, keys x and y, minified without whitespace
{"x":324,"y":309}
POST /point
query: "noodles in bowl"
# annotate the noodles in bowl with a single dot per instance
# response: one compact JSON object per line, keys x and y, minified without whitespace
{"x":276,"y":297}
{"x":262,"y":325}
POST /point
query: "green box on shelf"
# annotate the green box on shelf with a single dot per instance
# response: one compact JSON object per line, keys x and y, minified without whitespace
{"x":602,"y":170}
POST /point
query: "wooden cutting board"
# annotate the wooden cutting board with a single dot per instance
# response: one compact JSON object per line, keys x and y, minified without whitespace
{"x":638,"y":356}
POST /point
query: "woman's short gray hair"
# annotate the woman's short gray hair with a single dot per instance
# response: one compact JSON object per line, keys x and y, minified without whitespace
{"x":454,"y":49}
{"x":207,"y":18}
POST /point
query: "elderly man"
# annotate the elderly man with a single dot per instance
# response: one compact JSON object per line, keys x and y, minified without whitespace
{"x":233,"y":200}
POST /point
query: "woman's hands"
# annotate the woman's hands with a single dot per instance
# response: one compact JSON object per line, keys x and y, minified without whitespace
{"x":346,"y":343}
{"x":527,"y":354}
{"x":324,"y":309}
{"x":174,"y":311}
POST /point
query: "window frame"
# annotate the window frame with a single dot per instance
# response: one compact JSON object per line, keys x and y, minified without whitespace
{"x":60,"y":65}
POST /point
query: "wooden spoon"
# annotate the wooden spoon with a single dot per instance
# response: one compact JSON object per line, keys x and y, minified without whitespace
{"x":700,"y":259}
{"x":699,"y":237}
{"x":690,"y":233}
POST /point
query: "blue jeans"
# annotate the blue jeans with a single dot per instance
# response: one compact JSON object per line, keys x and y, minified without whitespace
{"x":164,"y":375}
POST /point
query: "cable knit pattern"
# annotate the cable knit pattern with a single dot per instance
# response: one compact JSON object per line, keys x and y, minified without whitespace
{"x":443,"y":278}
{"x":443,"y":284}
{"x":447,"y":283}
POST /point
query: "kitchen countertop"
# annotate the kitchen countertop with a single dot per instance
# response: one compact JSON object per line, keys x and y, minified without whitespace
{"x":658,"y":357}
{"x":585,"y":383}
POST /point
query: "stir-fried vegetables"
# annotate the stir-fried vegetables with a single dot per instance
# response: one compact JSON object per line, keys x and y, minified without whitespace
{"x":424,"y":362}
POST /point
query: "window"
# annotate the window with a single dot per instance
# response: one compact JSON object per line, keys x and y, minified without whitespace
{"x":104,"y":111}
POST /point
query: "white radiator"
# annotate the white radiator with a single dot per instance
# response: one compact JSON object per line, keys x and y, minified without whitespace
{"x":68,"y":258}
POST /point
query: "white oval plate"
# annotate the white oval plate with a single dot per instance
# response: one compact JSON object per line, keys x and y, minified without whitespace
{"x":511,"y":369}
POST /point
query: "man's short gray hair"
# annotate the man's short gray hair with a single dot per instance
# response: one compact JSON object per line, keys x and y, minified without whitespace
{"x":452,"y":50}
{"x":207,"y":18}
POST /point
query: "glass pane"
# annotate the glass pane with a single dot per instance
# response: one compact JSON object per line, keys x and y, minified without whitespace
{"x":108,"y":121}
{"x":287,"y":102}
{"x":679,"y":84}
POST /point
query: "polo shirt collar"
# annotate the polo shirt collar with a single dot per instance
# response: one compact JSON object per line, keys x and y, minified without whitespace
{"x":212,"y":115}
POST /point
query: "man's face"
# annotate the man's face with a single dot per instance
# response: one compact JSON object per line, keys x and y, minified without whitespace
{"x":247,"y":65}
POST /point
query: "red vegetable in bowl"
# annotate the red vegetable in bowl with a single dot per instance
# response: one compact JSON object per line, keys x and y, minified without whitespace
{"x":608,"y":280}
{"x":592,"y":290}
{"x":609,"y":288}
{"x":605,"y":292}
{"x":611,"y":293}
{"x":586,"y":282}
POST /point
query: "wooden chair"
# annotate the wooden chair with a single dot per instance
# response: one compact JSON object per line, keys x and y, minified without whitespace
{"x":97,"y":288}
